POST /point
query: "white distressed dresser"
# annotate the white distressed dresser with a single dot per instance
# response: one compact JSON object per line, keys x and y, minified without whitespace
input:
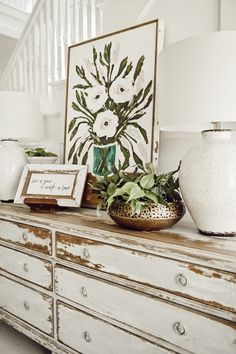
{"x":79,"y":284}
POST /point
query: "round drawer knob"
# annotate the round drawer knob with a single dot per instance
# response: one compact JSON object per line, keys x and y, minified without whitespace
{"x":84,"y":291}
{"x":181,"y":280}
{"x":26,"y":267}
{"x":85,"y":253}
{"x":25,"y":236}
{"x":180,"y":329}
{"x":87,"y":337}
{"x":26,"y":305}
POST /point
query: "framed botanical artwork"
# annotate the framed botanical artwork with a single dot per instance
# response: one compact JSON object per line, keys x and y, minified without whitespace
{"x":111,"y":117}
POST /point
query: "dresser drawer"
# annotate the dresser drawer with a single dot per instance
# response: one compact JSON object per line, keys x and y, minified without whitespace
{"x":89,"y":335}
{"x":31,"y":237}
{"x":211,"y":286}
{"x":27,"y":267}
{"x":27,"y":304}
{"x":148,"y":314}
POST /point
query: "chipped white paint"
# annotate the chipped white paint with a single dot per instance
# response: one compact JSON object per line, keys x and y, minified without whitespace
{"x":30,"y":305}
{"x":113,"y":283}
{"x":92,"y":336}
{"x":27,"y":267}
{"x":18,"y":234}
{"x":147,"y":314}
{"x":201,"y":283}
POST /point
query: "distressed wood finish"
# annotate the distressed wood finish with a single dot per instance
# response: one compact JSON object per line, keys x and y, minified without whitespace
{"x":30,"y":268}
{"x":204,"y":284}
{"x":31,"y":237}
{"x":148,"y":314}
{"x":30,"y":305}
{"x":92,"y":287}
{"x":90,"y":335}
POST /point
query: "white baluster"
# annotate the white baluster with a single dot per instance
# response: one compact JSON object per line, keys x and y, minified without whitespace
{"x":30,"y":63}
{"x":21,"y":73}
{"x":93,"y":18}
{"x":42,"y":56}
{"x":48,"y":31}
{"x":62,"y":38}
{"x":25,"y":80}
{"x":14,"y":78}
{"x":85,"y":19}
{"x":77,"y":17}
{"x":67,"y":24}
{"x":17,"y":75}
{"x":36,"y":70}
{"x":55,"y":40}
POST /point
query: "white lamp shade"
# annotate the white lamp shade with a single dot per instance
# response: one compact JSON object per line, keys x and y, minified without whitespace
{"x":197,"y":82}
{"x":20,"y":116}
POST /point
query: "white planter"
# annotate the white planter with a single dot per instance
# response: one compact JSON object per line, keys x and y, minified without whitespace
{"x":208,"y":183}
{"x":42,"y":159}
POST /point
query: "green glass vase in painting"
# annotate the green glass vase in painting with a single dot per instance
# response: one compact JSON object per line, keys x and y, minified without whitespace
{"x":104,"y":158}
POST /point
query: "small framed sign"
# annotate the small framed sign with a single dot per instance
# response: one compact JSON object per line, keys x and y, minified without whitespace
{"x":51,"y":186}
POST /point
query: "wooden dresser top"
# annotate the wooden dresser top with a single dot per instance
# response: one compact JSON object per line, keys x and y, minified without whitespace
{"x":182,"y":240}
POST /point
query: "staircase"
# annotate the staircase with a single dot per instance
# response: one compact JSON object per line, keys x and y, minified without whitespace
{"x":39,"y":58}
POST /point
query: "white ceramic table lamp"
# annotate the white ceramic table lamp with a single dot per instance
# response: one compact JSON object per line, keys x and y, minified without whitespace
{"x":197,"y":86}
{"x":20,"y":118}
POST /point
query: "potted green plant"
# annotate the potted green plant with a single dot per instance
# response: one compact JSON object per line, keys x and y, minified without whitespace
{"x":141,"y":200}
{"x":40,"y":155}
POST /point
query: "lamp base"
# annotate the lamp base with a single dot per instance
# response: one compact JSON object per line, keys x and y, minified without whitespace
{"x":12,"y":161}
{"x":207,"y":181}
{"x":218,"y":234}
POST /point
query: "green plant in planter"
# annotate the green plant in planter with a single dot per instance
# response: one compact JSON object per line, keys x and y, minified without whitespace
{"x":39,"y":152}
{"x":140,"y":188}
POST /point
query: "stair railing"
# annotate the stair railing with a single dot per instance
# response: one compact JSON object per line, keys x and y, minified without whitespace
{"x":41,"y":53}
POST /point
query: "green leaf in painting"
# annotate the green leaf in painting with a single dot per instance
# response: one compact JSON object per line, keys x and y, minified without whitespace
{"x":142,"y":131}
{"x":101,"y":59}
{"x":75,"y":107}
{"x":95,"y":55}
{"x":138,"y":67}
{"x":75,"y":160}
{"x":148,"y":102}
{"x":72,"y":150}
{"x":72,"y":124}
{"x":74,"y":132}
{"x":122,"y":65}
{"x":83,"y":100}
{"x":82,"y":87}
{"x":85,"y":158}
{"x":128,"y":69}
{"x":147,"y":89}
{"x":137,"y":160}
{"x":79,"y":71}
{"x":126,"y":155}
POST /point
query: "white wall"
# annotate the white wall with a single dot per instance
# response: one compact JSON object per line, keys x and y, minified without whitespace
{"x":183,"y":18}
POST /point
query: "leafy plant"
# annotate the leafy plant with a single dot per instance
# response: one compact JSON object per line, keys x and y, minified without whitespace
{"x":110,"y":100}
{"x":140,"y":188}
{"x":39,"y":152}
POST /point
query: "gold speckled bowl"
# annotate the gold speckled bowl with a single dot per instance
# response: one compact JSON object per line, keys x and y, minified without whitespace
{"x":153,"y":218}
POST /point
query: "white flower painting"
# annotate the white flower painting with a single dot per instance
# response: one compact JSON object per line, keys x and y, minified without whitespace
{"x":111,"y":100}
